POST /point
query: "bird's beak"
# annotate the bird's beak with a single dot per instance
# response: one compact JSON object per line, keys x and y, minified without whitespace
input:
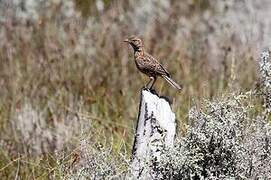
{"x":126,"y":40}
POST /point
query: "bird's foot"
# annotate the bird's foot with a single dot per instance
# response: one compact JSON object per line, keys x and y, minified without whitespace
{"x":146,"y":88}
{"x":151,"y":90}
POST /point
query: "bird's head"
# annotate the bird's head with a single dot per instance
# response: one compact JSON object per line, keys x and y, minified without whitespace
{"x":135,"y":42}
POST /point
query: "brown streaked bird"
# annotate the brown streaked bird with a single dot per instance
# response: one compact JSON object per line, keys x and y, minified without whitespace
{"x":148,"y":64}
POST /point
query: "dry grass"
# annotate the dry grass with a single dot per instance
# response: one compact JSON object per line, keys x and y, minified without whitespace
{"x":66,"y":75}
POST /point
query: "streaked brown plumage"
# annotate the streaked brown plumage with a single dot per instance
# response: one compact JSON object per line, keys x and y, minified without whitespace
{"x":148,"y":64}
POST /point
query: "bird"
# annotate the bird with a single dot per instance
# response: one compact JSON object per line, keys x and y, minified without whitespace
{"x":148,"y":65}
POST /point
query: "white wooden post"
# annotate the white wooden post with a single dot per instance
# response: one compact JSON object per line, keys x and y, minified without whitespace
{"x":155,"y":130}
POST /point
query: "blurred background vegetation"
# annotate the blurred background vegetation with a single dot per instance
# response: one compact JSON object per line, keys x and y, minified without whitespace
{"x":66,"y":76}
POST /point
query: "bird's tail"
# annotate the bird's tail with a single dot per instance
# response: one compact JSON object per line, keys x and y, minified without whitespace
{"x":172,"y":83}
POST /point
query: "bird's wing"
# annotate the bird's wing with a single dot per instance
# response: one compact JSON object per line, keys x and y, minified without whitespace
{"x":152,"y":63}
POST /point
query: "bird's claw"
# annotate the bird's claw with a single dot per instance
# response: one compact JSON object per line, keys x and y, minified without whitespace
{"x":146,"y":88}
{"x":151,"y":90}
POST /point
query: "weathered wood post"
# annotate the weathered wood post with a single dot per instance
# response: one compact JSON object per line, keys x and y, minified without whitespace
{"x":155,"y":131}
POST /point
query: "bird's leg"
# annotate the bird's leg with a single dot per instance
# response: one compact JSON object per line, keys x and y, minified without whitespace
{"x":151,"y":79}
{"x":154,"y":79}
